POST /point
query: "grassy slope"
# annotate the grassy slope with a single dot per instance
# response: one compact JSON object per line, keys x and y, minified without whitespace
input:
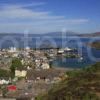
{"x":81,"y":85}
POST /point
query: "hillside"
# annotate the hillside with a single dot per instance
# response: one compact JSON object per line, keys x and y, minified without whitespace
{"x":81,"y":85}
{"x":95,"y":45}
{"x":52,"y":34}
{"x":96,"y":34}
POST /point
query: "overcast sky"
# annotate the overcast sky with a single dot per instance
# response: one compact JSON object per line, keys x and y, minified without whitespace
{"x":42,"y":16}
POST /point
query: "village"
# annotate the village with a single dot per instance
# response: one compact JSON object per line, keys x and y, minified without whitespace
{"x":26,"y":73}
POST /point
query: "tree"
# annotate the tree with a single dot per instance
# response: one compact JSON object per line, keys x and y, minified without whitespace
{"x":15,"y":64}
{"x":4,"y":73}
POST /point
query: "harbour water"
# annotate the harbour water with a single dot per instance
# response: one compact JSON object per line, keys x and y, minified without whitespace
{"x":89,"y":55}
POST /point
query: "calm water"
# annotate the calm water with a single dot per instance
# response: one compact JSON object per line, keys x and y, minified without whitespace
{"x":77,"y":63}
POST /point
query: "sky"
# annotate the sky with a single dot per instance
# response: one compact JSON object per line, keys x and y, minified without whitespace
{"x":43,"y":16}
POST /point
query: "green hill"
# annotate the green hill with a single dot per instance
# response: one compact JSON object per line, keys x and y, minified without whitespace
{"x":83,"y":84}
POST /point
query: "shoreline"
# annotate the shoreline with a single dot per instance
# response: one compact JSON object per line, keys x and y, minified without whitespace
{"x":65,"y":69}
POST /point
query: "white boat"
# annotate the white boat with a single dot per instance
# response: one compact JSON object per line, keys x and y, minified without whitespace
{"x":81,"y":58}
{"x":67,"y":49}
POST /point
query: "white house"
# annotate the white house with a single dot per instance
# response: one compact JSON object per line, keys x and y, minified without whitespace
{"x":45,"y":66}
{"x":20,"y":72}
{"x":12,"y":49}
{"x":4,"y":81}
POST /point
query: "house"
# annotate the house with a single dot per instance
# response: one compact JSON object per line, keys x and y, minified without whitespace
{"x":4,"y":80}
{"x":20,"y":72}
{"x":11,"y":88}
{"x":45,"y":66}
{"x":12,"y":49}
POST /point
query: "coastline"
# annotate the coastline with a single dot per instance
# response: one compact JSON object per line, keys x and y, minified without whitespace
{"x":65,"y":69}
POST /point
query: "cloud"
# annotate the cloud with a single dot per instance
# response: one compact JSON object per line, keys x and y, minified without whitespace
{"x":18,"y":12}
{"x":35,"y":4}
{"x":22,"y":13}
{"x":21,"y":17}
